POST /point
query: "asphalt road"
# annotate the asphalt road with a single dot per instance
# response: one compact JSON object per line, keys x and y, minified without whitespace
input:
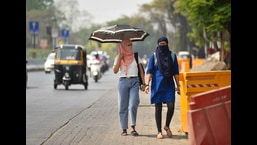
{"x":48,"y":109}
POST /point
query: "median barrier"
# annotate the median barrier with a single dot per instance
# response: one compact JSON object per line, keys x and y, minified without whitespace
{"x":192,"y":83}
{"x":209,"y":117}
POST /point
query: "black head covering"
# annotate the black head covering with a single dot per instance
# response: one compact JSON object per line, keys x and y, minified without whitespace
{"x":163,"y":38}
{"x":165,"y":63}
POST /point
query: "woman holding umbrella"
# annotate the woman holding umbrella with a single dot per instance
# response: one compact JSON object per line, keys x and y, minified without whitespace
{"x":128,"y":86}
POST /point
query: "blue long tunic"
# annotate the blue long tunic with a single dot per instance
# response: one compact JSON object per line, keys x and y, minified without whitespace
{"x":160,"y":91}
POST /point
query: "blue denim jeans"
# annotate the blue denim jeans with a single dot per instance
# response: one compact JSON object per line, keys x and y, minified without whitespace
{"x":128,"y":100}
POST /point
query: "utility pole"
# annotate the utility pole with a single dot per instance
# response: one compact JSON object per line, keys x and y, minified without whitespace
{"x":54,"y":32}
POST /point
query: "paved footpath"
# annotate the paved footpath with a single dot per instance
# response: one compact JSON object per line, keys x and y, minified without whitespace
{"x":98,"y":125}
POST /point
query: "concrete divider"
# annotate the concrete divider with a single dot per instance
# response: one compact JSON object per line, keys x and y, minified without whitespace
{"x":35,"y":65}
{"x":197,"y":82}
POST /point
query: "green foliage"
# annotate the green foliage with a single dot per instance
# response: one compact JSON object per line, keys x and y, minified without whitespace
{"x":39,"y":4}
{"x":37,"y":53}
{"x":213,"y":15}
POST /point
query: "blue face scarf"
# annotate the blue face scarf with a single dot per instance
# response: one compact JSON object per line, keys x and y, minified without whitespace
{"x":165,"y":64}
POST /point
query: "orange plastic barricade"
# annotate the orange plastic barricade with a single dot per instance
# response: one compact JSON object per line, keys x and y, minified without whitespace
{"x":209,"y":117}
{"x":192,"y":83}
{"x":183,"y":65}
{"x":197,"y":61}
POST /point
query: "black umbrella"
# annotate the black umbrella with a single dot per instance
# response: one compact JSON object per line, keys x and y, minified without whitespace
{"x":116,"y":33}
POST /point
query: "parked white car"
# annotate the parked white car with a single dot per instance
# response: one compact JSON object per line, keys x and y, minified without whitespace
{"x":183,"y":54}
{"x":49,"y":63}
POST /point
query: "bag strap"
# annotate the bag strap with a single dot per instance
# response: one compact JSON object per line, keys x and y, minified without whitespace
{"x":136,"y":56}
{"x":139,"y":74}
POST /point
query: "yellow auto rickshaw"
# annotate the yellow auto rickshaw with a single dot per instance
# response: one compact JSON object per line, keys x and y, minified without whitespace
{"x":70,"y":65}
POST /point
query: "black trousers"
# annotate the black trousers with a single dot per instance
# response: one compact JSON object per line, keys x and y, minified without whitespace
{"x":158,"y":114}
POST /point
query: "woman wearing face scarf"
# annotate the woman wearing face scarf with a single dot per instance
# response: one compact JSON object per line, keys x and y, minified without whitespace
{"x":128,"y":86}
{"x":161,"y":73}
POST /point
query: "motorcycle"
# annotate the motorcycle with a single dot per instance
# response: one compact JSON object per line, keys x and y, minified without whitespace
{"x":95,"y":70}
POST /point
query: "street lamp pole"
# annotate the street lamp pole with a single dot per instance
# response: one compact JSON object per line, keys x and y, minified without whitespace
{"x":54,"y":32}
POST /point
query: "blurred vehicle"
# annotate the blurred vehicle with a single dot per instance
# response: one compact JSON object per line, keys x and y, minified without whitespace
{"x":105,"y":65}
{"x":95,"y":70}
{"x":49,"y":63}
{"x":89,"y":60}
{"x":103,"y":57}
{"x":144,"y":61}
{"x":183,"y":55}
{"x":70,"y":65}
{"x":26,"y":74}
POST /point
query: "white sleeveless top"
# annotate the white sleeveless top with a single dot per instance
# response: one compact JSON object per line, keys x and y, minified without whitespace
{"x":132,"y":69}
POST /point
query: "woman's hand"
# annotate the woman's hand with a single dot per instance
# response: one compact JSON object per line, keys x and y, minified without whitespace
{"x":142,"y":88}
{"x":121,"y":56}
{"x":178,"y":90}
{"x":146,"y":90}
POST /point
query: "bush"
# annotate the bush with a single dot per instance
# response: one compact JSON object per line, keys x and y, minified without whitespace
{"x":37,"y":53}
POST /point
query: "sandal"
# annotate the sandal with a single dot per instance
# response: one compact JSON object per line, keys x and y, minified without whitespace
{"x":168,"y":131}
{"x":124,"y":133}
{"x":159,"y":135}
{"x":134,"y":133}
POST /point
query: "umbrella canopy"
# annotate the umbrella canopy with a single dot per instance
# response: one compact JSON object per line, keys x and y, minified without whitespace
{"x":116,"y":33}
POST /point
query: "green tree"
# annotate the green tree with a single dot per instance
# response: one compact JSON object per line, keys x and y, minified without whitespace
{"x":39,"y":4}
{"x":161,"y":13}
{"x":210,"y":21}
{"x":69,"y":16}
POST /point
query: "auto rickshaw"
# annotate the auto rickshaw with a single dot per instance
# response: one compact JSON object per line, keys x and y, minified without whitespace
{"x":70,"y":65}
